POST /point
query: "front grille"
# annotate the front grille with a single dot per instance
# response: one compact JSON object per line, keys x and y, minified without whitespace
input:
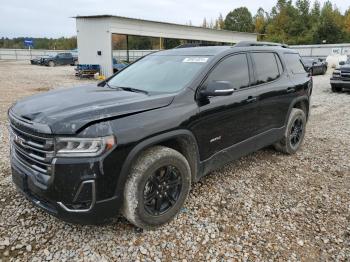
{"x":33,"y":150}
{"x":345,"y":74}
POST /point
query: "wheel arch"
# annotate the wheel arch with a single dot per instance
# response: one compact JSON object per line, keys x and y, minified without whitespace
{"x":182,"y":141}
{"x":300,"y":103}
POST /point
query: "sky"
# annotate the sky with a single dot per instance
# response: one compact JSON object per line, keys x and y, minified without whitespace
{"x":48,"y":18}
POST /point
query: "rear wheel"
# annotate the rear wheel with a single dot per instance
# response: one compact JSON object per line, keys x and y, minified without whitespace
{"x":336,"y":88}
{"x":294,"y":134}
{"x":324,"y":70}
{"x":157,"y":188}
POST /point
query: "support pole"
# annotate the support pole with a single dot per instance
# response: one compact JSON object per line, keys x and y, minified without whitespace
{"x":160,"y":43}
{"x":127,"y":49}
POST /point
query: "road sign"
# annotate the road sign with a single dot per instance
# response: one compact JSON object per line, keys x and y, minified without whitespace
{"x":28,"y":42}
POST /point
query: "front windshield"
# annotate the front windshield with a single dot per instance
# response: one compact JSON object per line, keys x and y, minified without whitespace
{"x":160,"y":73}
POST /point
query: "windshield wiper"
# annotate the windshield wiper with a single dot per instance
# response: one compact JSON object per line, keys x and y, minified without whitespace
{"x":131,"y":89}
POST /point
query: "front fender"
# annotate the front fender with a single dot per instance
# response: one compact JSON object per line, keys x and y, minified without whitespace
{"x":158,"y":139}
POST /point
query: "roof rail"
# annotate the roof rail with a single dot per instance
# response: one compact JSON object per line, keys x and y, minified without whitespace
{"x":194,"y":45}
{"x":254,"y":43}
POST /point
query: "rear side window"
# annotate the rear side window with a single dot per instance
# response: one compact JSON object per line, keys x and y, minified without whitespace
{"x":233,"y":69}
{"x":266,"y":67}
{"x":294,"y":63}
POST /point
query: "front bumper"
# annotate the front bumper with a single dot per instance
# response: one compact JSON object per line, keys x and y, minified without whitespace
{"x":341,"y":82}
{"x":75,"y":200}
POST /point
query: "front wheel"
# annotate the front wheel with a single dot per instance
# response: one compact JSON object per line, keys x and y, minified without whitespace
{"x":51,"y":63}
{"x":157,"y":187}
{"x":294,"y":134}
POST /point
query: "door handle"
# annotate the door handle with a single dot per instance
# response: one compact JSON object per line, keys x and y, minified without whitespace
{"x":251,"y":99}
{"x":290,"y":89}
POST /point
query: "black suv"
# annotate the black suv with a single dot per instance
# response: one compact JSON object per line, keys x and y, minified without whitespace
{"x":60,"y":59}
{"x":341,"y":76}
{"x":135,"y":142}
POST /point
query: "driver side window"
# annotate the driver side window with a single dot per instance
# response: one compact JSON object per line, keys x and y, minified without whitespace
{"x":233,"y":69}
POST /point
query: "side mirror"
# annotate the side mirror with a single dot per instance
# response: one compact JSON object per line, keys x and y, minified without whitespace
{"x":217,"y":88}
{"x":341,"y":63}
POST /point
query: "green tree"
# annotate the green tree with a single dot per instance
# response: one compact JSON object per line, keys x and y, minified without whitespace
{"x":283,"y":23}
{"x":347,"y":24}
{"x":347,"y":21}
{"x":316,"y":12}
{"x":260,"y":23}
{"x":303,"y":23}
{"x":41,"y":43}
{"x":140,"y":42}
{"x":240,"y":19}
{"x":220,"y":22}
{"x":171,"y":43}
{"x":329,"y":28}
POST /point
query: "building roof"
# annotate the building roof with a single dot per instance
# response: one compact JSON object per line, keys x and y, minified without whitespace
{"x":143,"y":20}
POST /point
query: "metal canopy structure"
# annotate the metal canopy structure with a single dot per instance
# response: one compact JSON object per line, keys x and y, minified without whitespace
{"x":94,"y":36}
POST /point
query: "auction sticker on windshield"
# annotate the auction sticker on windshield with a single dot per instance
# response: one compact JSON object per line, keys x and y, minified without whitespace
{"x":195,"y":60}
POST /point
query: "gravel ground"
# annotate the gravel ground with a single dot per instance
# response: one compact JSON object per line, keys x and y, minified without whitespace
{"x":266,"y":206}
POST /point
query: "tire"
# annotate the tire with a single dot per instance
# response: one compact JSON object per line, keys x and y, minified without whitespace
{"x":324,"y":71}
{"x":51,"y":64}
{"x":294,"y":134}
{"x":336,"y":89}
{"x":146,"y":181}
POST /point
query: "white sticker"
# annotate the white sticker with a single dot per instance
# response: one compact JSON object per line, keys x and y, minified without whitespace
{"x":195,"y":60}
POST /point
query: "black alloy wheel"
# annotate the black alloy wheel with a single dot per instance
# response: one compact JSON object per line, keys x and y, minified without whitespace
{"x":296,"y":132}
{"x":157,"y":187}
{"x":162,"y":190}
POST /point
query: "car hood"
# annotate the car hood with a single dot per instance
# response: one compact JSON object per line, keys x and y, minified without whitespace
{"x":65,"y":111}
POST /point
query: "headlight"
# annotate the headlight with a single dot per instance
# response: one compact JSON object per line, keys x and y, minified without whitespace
{"x":83,"y":147}
{"x":336,"y":72}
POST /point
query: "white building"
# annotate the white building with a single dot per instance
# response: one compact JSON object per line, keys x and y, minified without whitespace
{"x":94,"y":36}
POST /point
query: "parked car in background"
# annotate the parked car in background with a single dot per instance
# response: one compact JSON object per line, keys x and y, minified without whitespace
{"x":315,"y":67}
{"x":135,"y":142}
{"x":74,"y":52}
{"x":35,"y":61}
{"x":341,"y":76}
{"x":117,"y":65}
{"x":61,"y":59}
{"x":39,"y":60}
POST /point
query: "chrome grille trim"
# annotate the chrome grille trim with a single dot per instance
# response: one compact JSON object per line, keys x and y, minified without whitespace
{"x":32,"y":157}
{"x":27,"y":165}
{"x":33,"y":151}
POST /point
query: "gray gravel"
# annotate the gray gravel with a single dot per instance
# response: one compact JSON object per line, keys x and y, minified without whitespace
{"x":266,"y":206}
